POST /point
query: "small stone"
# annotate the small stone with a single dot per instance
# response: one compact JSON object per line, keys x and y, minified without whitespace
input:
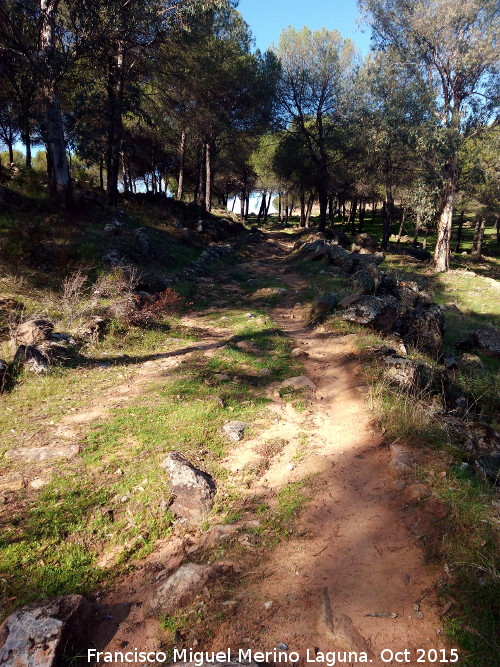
{"x":38,"y":483}
{"x":436,"y":508}
{"x":297,"y":352}
{"x":415,"y":492}
{"x":298,"y":382}
{"x":268,"y":604}
{"x":235,"y":430}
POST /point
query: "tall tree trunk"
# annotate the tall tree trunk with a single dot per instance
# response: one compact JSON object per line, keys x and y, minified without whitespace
{"x":280,"y":207}
{"x":323,"y":202}
{"x":247,"y":206}
{"x":401,"y":225}
{"x":302,"y":222}
{"x":10,"y":147}
{"x":115,"y":86}
{"x":417,"y":230}
{"x":208,"y":177}
{"x":374,"y":210}
{"x":459,"y":231}
{"x":352,"y":216}
{"x":343,"y":212}
{"x":477,"y":244}
{"x":310,"y":205}
{"x":331,"y":207}
{"x":497,"y":227}
{"x":101,"y":174}
{"x":387,"y":220}
{"x":27,"y":147}
{"x":444,"y":225}
{"x":262,"y":207}
{"x":182,"y":159}
{"x":268,"y":205}
{"x":362,"y":213}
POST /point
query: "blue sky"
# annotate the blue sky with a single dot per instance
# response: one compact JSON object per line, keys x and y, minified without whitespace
{"x":267,"y":18}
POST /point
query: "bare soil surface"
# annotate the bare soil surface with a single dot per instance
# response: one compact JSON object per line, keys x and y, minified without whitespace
{"x":355,"y":553}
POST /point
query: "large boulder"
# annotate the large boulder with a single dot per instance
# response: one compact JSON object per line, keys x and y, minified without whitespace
{"x":424,"y":329}
{"x":415,"y":377}
{"x":336,"y":237}
{"x":486,"y":340}
{"x":322,"y":307}
{"x":366,"y":241}
{"x":50,"y":633}
{"x":368,"y":279}
{"x":340,"y":258}
{"x":33,"y":331}
{"x":192,"y":489}
{"x":380,"y":313}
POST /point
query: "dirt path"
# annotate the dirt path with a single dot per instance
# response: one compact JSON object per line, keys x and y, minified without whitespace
{"x":353,"y":536}
{"x":351,"y":548}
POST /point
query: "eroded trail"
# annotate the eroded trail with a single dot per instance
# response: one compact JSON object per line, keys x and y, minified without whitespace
{"x":351,"y":576}
{"x":352,"y":538}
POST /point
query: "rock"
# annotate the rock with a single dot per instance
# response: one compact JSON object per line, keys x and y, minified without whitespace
{"x":400,"y":460}
{"x":38,"y":483}
{"x":298,"y":353}
{"x":221,"y":377}
{"x":338,"y":238}
{"x":47,"y":633}
{"x":114,"y":258}
{"x":380,"y":313}
{"x":33,"y":331}
{"x":486,"y":340}
{"x":39,"y":358}
{"x":142,"y":238}
{"x":94,"y":328}
{"x":338,"y":629}
{"x":417,"y":253}
{"x":349,"y":300}
{"x":415,"y":492}
{"x":366,"y":241}
{"x":368,"y":279}
{"x":235,"y":430}
{"x":472,"y":365}
{"x":39,"y":454}
{"x":298,"y":382}
{"x":340,"y":258}
{"x":182,"y":586}
{"x":322,"y":307}
{"x":424,"y":330}
{"x":415,"y":376}
{"x":450,"y":362}
{"x":192,"y":489}
{"x":436,"y":508}
{"x":365,"y":258}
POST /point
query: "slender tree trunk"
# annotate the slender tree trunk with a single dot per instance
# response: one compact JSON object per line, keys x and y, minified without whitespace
{"x":352,"y":216}
{"x":362,"y":213}
{"x":182,"y":159}
{"x":27,"y":147}
{"x":374,"y":210}
{"x":247,"y":206}
{"x":323,"y":202}
{"x":262,"y":207}
{"x":234,"y":204}
{"x":444,"y":225}
{"x":401,"y":225}
{"x":459,"y":231}
{"x":208,"y":177}
{"x":497,"y":227}
{"x":266,"y":213}
{"x":52,"y":126}
{"x":477,"y":244}
{"x":310,"y":205}
{"x":343,"y":212}
{"x":101,"y":174}
{"x":302,"y":222}
{"x":387,"y":220}
{"x":115,"y":86}
{"x":417,"y":230}
{"x":331,"y":206}
{"x":280,"y":207}
{"x":10,"y":147}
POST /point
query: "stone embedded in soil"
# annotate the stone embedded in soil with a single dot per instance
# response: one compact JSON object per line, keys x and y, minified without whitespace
{"x":415,"y":492}
{"x":39,"y":454}
{"x":436,"y":508}
{"x":298,"y":382}
{"x":322,"y":307}
{"x":297,"y":352}
{"x":47,"y":633}
{"x":182,"y":586}
{"x":338,"y":628}
{"x":486,"y":340}
{"x":192,"y":489}
{"x":235,"y":430}
{"x":400,"y":460}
